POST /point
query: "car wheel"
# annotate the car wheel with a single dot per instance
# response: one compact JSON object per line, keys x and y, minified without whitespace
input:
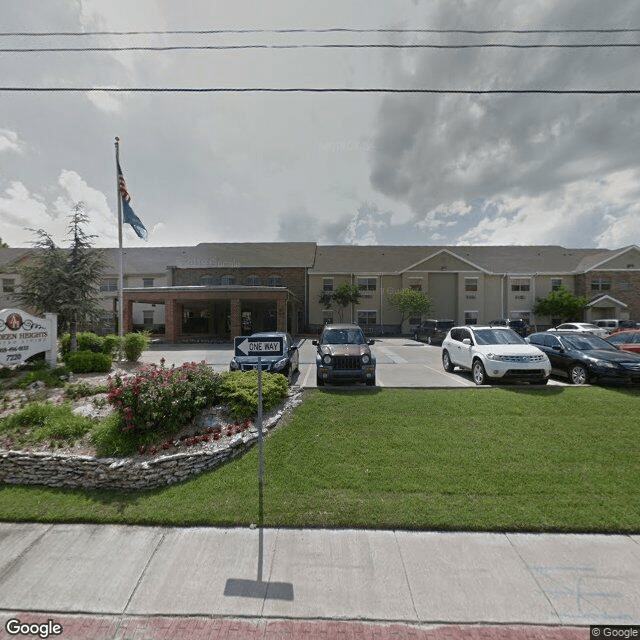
{"x":478,"y":372}
{"x":446,"y":362}
{"x":415,"y":337}
{"x":429,"y":340}
{"x":578,"y":374}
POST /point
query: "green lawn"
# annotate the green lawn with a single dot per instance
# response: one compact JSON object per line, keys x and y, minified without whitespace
{"x":553,"y":459}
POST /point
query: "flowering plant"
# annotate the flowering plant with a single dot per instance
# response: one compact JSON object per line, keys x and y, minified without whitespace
{"x":160,"y":399}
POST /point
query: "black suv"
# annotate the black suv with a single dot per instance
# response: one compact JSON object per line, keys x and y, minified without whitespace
{"x":519,"y":325}
{"x":431,"y":331}
{"x":344,"y":354}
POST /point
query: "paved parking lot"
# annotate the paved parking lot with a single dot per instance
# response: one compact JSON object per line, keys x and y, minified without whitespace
{"x":401,"y":362}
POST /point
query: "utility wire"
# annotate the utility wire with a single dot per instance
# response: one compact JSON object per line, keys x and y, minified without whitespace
{"x":320,"y":90}
{"x":304,"y":30}
{"x":224,"y":47}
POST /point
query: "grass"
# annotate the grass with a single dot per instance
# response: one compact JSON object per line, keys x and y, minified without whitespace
{"x":505,"y":459}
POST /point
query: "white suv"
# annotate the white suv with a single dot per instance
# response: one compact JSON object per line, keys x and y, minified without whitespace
{"x":494,"y":352}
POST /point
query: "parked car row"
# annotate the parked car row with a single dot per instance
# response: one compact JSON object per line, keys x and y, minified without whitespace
{"x":572,"y":351}
{"x":577,"y":354}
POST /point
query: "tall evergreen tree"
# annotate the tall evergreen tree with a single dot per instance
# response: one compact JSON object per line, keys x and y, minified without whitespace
{"x":64,"y":281}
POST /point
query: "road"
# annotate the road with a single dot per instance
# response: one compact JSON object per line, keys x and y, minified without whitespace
{"x":401,"y":362}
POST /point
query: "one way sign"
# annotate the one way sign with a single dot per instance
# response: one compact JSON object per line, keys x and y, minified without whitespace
{"x":258,"y":346}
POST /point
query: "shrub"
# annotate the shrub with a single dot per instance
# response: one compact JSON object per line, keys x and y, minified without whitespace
{"x":161,"y":400}
{"x":109,"y":439}
{"x":88,"y":362}
{"x":135,"y":344}
{"x":50,"y":377}
{"x":43,"y":421}
{"x":83,"y":389}
{"x":110,"y":344}
{"x":239,"y":391}
{"x":87,"y":341}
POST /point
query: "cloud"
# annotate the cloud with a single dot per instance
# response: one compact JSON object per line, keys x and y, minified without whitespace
{"x":9,"y":141}
{"x":514,"y":161}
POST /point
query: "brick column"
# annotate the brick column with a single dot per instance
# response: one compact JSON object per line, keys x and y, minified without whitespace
{"x":171,"y":320}
{"x":236,"y":319}
{"x":282,"y":314}
{"x":127,"y":320}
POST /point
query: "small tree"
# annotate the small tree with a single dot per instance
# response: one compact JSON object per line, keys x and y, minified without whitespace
{"x":561,"y":303}
{"x":65,"y":282}
{"x":345,"y":295}
{"x":409,"y":302}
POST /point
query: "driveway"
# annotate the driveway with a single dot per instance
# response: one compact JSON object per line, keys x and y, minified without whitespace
{"x":401,"y":362}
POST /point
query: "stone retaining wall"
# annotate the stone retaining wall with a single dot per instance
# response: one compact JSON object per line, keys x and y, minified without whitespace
{"x":128,"y":474}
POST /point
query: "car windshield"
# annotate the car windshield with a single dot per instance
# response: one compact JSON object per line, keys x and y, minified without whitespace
{"x":497,"y":336}
{"x":343,"y":336}
{"x":588,"y":342}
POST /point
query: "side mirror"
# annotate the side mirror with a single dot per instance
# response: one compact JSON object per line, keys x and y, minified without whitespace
{"x":558,"y":348}
{"x":467,"y":341}
{"x":372,"y":341}
{"x":294,"y":348}
{"x":314,"y":342}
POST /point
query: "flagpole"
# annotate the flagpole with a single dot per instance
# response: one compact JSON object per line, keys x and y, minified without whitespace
{"x":121,"y":263}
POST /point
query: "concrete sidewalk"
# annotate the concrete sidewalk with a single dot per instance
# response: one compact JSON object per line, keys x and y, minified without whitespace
{"x":120,"y":574}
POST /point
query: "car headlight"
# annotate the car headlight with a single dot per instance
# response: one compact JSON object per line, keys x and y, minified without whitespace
{"x":606,"y":364}
{"x":493,"y":356}
{"x":366,"y":359}
{"x":326,"y":359}
{"x":280,"y":364}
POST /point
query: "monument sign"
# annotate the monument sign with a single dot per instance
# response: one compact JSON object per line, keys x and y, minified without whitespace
{"x":23,"y":335}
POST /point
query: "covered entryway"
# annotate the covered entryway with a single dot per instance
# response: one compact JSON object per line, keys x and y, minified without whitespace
{"x":217,"y":313}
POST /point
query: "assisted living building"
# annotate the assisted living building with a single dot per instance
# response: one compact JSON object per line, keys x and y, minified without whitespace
{"x":214,"y":291}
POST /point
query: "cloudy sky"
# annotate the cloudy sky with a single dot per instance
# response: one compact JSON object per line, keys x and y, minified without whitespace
{"x":334,"y":168}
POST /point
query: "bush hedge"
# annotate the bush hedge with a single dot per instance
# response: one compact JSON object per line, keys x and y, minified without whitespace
{"x":88,"y":362}
{"x":162,"y":400}
{"x":239,"y":391}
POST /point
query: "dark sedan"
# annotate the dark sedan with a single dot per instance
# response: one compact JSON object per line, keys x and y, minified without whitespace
{"x":583,"y":357}
{"x":286,"y":364}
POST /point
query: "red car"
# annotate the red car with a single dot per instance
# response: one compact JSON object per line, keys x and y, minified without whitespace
{"x":626,"y":340}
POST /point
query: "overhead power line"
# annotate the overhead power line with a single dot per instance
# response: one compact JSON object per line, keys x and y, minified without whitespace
{"x":230,"y":47}
{"x":416,"y":90}
{"x":306,"y":30}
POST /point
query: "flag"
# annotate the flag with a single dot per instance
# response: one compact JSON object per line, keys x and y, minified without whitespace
{"x":128,"y":216}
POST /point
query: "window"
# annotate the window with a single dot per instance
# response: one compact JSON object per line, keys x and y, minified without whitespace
{"x":327,"y":316}
{"x":471,"y":317}
{"x":8,"y":285}
{"x":556,"y":283}
{"x":471,"y":284}
{"x":367,"y":317}
{"x":415,"y":284}
{"x":274,"y":281}
{"x":600,"y":284}
{"x":367,"y":284}
{"x":623,"y":285}
{"x":109,"y":284}
{"x":520,"y":284}
{"x":147,"y":282}
{"x":253,"y":281}
{"x":147,"y":318}
{"x":227,"y":281}
{"x":327,"y":284}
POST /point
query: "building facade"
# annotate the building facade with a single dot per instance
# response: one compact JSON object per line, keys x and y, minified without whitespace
{"x":214,"y":291}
